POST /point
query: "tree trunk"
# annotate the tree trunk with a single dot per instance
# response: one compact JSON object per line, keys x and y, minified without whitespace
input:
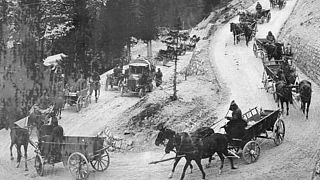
{"x":128,"y":51}
{"x":150,"y":49}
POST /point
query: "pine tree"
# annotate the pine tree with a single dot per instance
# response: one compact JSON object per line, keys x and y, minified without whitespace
{"x":148,"y":29}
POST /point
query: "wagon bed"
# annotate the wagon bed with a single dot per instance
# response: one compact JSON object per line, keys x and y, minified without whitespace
{"x":75,"y":152}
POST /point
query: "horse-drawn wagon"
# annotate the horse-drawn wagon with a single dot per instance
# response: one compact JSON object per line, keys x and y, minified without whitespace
{"x":259,"y":124}
{"x":141,"y":73}
{"x":278,"y":3}
{"x":76,"y":153}
{"x":79,"y":99}
{"x":263,"y":48}
{"x":263,"y":16}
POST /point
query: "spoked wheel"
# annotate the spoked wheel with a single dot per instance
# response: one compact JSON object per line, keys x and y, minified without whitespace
{"x":78,"y":166}
{"x":278,"y":132}
{"x":101,"y":161}
{"x":255,"y":49}
{"x":39,"y":165}
{"x":87,"y":100}
{"x":79,"y":103}
{"x":251,"y":152}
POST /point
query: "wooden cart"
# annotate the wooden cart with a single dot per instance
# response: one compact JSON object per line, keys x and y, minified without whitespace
{"x":76,"y":153}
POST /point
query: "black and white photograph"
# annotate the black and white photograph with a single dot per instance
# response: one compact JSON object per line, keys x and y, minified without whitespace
{"x":159,"y":89}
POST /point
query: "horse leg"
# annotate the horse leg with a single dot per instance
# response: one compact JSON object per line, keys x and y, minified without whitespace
{"x":25,"y":147}
{"x":11,"y":156}
{"x":308,"y":104}
{"x":18,"y":155}
{"x":198,"y":161}
{"x":222,"y":161}
{"x":191,"y":167}
{"x":174,"y":167}
{"x":184,"y":169}
{"x":230,"y":159}
{"x":209,"y":163}
{"x":287,"y":103}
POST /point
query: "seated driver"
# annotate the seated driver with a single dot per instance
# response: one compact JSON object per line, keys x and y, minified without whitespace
{"x":270,"y":37}
{"x":235,"y":126}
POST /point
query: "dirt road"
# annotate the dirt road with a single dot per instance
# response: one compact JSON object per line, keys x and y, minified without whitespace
{"x":241,"y":74}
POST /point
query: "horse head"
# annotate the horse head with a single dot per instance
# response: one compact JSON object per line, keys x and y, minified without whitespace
{"x":164,"y":135}
{"x":305,"y":89}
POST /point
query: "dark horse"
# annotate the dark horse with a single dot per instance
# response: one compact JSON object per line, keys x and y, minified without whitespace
{"x":305,"y":91}
{"x":19,"y":137}
{"x":236,"y":29}
{"x":249,"y":31}
{"x":274,"y":51}
{"x":283,"y":94}
{"x":95,"y":85}
{"x":194,"y":147}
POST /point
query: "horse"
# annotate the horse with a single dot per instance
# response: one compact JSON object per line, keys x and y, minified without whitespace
{"x":283,"y":94}
{"x":95,"y":85}
{"x":59,"y":103}
{"x":237,"y":31}
{"x":249,"y":31}
{"x":166,"y":133}
{"x":194,"y":147}
{"x":274,"y":51}
{"x":305,"y":91}
{"x":19,"y":137}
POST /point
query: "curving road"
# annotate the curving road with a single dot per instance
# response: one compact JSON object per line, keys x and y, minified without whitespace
{"x":241,"y":73}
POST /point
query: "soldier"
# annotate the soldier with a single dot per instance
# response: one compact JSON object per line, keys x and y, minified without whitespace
{"x":158,"y":77}
{"x":235,"y":126}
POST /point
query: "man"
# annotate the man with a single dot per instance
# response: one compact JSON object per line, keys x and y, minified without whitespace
{"x":81,"y":83}
{"x":270,"y":37}
{"x":44,"y":101}
{"x":258,"y":7}
{"x":57,"y":137}
{"x":96,"y":83}
{"x":158,"y":77}
{"x":235,"y":126}
{"x":144,"y":79}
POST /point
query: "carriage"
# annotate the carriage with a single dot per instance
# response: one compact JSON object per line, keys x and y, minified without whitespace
{"x":263,"y":16}
{"x":261,"y":45}
{"x":76,"y":153}
{"x":112,"y":81}
{"x":278,"y":3}
{"x":261,"y":124}
{"x":78,"y":99}
{"x":133,"y":83}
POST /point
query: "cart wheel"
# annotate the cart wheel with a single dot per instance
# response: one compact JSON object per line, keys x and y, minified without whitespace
{"x":251,"y":152}
{"x":39,"y":165}
{"x":79,"y":103}
{"x":278,"y":132}
{"x":87,"y":100}
{"x":101,"y":162}
{"x":255,"y":50}
{"x":78,"y":166}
